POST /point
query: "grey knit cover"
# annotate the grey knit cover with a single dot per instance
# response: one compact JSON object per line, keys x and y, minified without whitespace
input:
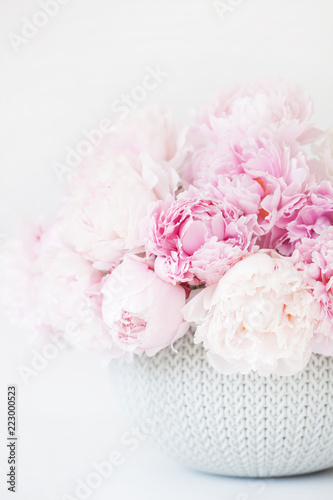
{"x":236,"y":425}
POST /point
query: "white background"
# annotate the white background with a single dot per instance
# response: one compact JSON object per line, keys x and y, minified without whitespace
{"x":65,"y":80}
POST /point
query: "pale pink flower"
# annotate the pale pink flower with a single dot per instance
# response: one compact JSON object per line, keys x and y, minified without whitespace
{"x":150,"y":130}
{"x":104,"y":206}
{"x":314,"y":214}
{"x":321,"y":165}
{"x":62,"y":303}
{"x":306,"y":215}
{"x":259,"y":317}
{"x":18,"y":293}
{"x":272,"y":106}
{"x":67,"y":304}
{"x":278,"y":238}
{"x":196,"y":238}
{"x":241,"y":191}
{"x":109,"y":192}
{"x":254,"y":129}
{"x":46,"y":286}
{"x":268,"y":176}
{"x":141,"y":311}
{"x":315,"y":258}
{"x":327,"y":156}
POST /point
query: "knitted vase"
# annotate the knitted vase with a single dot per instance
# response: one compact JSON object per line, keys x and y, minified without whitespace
{"x":235,"y":425}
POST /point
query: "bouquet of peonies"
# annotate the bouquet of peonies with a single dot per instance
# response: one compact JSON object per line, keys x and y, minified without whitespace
{"x":226,"y":225}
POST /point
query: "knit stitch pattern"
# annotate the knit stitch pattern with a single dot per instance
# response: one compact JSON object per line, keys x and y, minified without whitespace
{"x":234,"y":425}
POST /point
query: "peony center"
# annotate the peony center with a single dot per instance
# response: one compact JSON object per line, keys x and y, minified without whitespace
{"x":130,"y":327}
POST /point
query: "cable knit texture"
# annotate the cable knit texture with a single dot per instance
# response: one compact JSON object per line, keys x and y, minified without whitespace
{"x":235,"y":425}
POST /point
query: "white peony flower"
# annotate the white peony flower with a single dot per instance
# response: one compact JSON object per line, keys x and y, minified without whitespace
{"x":258,"y":317}
{"x":150,"y":130}
{"x":105,"y":206}
{"x":109,"y":192}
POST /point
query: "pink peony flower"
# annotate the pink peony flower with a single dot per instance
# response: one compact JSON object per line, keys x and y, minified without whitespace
{"x":196,"y":238}
{"x":254,"y":130}
{"x":305,"y":216}
{"x":142,"y":312}
{"x":278,"y":238}
{"x":241,"y":191}
{"x":259,"y":317}
{"x":314,"y":214}
{"x":266,"y":111}
{"x":260,"y":177}
{"x":315,"y":258}
{"x":274,"y":106}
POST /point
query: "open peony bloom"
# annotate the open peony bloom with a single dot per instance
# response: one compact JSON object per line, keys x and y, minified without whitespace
{"x":271,"y":107}
{"x":259,"y":317}
{"x":305,"y":216}
{"x":104,"y":207}
{"x":314,"y":215}
{"x":108,"y":193}
{"x":142,"y":312}
{"x":195,"y":238}
{"x":315,"y":258}
{"x":266,"y":111}
{"x":267,"y":175}
{"x":279,"y":238}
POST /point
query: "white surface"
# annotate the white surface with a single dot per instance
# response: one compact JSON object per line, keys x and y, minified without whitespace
{"x":65,"y":80}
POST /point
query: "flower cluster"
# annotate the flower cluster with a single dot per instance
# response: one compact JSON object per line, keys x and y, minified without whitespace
{"x":225,"y":225}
